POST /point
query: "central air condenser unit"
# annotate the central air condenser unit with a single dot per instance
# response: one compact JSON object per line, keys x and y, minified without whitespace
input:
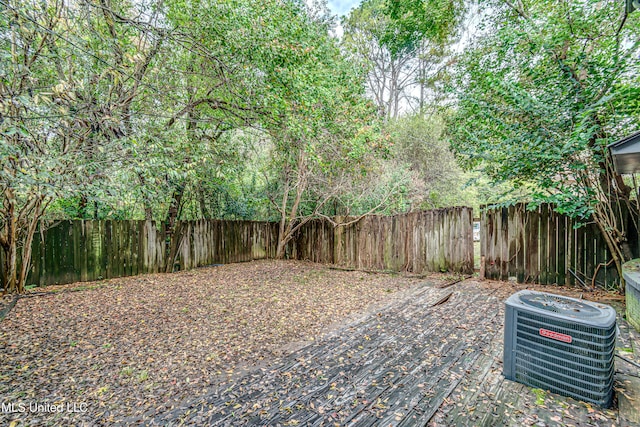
{"x":560,"y":344}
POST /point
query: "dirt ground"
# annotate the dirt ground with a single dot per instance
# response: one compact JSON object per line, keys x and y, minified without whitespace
{"x":112,"y":349}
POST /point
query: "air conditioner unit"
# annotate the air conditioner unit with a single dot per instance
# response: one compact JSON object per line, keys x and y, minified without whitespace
{"x":560,"y":344}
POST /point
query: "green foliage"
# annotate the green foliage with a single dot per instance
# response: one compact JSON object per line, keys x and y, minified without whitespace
{"x":422,"y":150}
{"x":415,"y":20}
{"x":214,"y":109}
{"x":421,"y":171}
{"x":157,"y":110}
{"x":404,"y":66}
{"x":541,"y":94}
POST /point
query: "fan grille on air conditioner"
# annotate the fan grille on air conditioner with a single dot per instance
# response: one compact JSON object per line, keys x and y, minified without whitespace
{"x":560,"y":344}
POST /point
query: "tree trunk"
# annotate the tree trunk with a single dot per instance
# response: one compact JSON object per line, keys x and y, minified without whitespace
{"x":19,"y":231}
{"x":10,"y":245}
{"x":608,"y":214}
{"x":148,"y":210}
{"x":204,"y":211}
{"x":614,"y":249}
{"x":287,"y":222}
{"x":282,"y":245}
{"x":611,"y":220}
{"x":282,"y":241}
{"x":82,"y":207}
{"x":27,"y":247}
{"x":172,"y":238}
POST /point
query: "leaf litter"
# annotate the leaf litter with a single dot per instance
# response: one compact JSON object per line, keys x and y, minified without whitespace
{"x":128,"y":346}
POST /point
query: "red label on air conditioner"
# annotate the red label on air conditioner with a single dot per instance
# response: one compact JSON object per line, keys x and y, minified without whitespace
{"x":556,"y":336}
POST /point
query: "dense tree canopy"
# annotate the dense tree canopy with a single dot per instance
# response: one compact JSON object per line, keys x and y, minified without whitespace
{"x":403,"y":50}
{"x":540,"y":95}
{"x":171,"y":110}
{"x":159,"y":110}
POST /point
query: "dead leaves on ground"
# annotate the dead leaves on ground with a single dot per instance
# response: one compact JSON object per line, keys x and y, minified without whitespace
{"x":143,"y":343}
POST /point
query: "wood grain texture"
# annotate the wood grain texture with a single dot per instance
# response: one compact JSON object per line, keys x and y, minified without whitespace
{"x":417,"y":242}
{"x":541,"y":246}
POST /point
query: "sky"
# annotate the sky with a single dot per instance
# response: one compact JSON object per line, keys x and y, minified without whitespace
{"x":342,"y":7}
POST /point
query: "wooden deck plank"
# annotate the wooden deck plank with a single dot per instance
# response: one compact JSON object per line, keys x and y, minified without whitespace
{"x":409,"y":363}
{"x":473,"y":389}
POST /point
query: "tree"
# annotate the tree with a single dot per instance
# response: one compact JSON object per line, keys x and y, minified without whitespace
{"x":322,"y":133}
{"x":402,"y":65}
{"x":66,"y":93}
{"x":413,"y":21}
{"x":114,"y":109}
{"x":541,"y":93}
{"x":66,"y":102}
{"x":389,"y":77}
{"x":421,"y":150}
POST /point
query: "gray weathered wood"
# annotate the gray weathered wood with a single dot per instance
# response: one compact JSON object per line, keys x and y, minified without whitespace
{"x":417,"y":242}
{"x":542,"y":246}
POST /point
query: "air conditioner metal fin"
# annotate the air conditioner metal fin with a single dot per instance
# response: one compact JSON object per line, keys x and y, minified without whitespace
{"x":560,"y":344}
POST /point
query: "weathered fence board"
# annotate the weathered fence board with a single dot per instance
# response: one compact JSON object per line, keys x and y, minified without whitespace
{"x":437,"y":240}
{"x":91,"y":250}
{"x":70,"y":251}
{"x":543,"y":246}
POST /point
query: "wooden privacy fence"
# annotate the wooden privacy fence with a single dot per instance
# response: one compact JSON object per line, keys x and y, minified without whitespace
{"x":70,"y":251}
{"x":543,"y":246}
{"x":74,"y":251}
{"x":436,"y":240}
{"x":206,"y":242}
